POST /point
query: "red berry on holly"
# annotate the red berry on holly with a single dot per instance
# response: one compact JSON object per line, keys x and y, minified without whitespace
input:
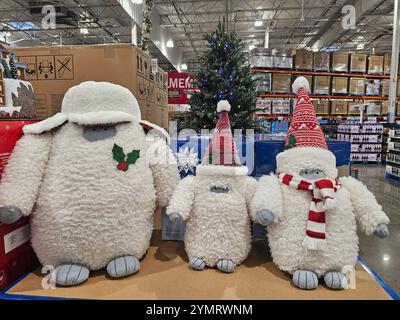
{"x":122,"y":166}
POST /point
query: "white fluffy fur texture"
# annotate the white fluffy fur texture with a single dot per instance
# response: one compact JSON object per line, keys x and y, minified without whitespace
{"x":300,"y":82}
{"x":91,"y":96}
{"x":87,"y":211}
{"x":20,"y":182}
{"x":100,"y":117}
{"x":46,"y":125}
{"x":368,"y":211}
{"x":218,"y":224}
{"x":286,"y":235}
{"x":156,"y":129}
{"x":267,"y":196}
{"x":294,"y":160}
{"x":164,"y":167}
{"x":211,"y":170}
{"x":223,"y":105}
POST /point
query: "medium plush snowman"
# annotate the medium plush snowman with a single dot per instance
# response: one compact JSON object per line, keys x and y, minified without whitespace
{"x":311,"y":215}
{"x":215,"y":203}
{"x":90,"y":177}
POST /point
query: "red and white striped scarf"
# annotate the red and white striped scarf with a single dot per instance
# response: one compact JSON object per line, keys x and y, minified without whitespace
{"x":320,"y":190}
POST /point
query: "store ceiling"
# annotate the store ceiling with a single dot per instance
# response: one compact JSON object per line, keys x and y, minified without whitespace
{"x":187,"y":20}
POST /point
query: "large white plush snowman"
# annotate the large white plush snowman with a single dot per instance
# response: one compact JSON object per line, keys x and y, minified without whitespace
{"x":90,"y":177}
{"x":215,"y":203}
{"x":311,"y":215}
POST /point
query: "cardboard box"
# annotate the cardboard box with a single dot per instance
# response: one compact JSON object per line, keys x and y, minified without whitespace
{"x":16,"y":254}
{"x":340,"y":62}
{"x":263,"y":82}
{"x":322,"y":84}
{"x":303,"y":60}
{"x":281,"y":106}
{"x":339,"y":107}
{"x":263,"y":106}
{"x":321,"y":107}
{"x":354,"y":111}
{"x":375,"y":64}
{"x":281,"y":83}
{"x":385,"y":87}
{"x":261,"y":58}
{"x":340,"y":85}
{"x":358,"y":62}
{"x":387,"y":62}
{"x":357,"y":86}
{"x":322,"y":61}
{"x":373,"y":108}
{"x":283,"y":59}
{"x":385,"y":107}
{"x":372,"y":87}
{"x":55,"y":69}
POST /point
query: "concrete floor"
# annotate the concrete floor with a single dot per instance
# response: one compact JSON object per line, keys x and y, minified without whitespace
{"x":383,"y":256}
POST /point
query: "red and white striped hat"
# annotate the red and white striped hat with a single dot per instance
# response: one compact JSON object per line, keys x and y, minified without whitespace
{"x":305,"y":144}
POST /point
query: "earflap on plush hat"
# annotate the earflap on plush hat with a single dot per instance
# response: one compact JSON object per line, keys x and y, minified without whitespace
{"x":96,"y":103}
{"x":305,"y":144}
{"x":221,"y":156}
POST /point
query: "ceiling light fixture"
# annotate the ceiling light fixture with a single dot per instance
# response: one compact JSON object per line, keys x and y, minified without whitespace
{"x":137,"y":1}
{"x":84,"y":31}
{"x":170,"y":44}
{"x":184,"y":66}
{"x":258,"y":23}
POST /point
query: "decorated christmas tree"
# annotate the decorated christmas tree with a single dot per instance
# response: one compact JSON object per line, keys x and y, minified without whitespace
{"x":13,"y":68}
{"x":6,"y":69}
{"x":224,"y":75}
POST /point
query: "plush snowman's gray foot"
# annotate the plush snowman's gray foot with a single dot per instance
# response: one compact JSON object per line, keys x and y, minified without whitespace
{"x":226,"y":265}
{"x":305,"y":279}
{"x":197,"y":263}
{"x":71,"y":274}
{"x":123,"y":266}
{"x":335,"y":280}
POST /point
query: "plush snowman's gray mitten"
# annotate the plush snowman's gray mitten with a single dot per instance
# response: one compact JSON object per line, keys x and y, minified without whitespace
{"x":381,"y":231}
{"x":175,"y":217}
{"x":10,"y":214}
{"x":265,"y":217}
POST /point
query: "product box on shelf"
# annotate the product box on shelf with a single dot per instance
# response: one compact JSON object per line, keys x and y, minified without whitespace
{"x":303,"y":60}
{"x":339,"y":107}
{"x":261,"y":58}
{"x":321,"y":106}
{"x":374,"y":108}
{"x":385,"y":87}
{"x":358,"y":62}
{"x":263,"y":106}
{"x":281,"y":83}
{"x":340,"y":85}
{"x":322,"y":61}
{"x":387,"y":61}
{"x":354,"y":107}
{"x":385,"y":107}
{"x":281,"y":106}
{"x":357,"y":86}
{"x":16,"y":254}
{"x":372,"y":87}
{"x":322,"y":84}
{"x":283,"y":59}
{"x":340,"y":62}
{"x":263,"y":82}
{"x":375,"y":64}
{"x":53,"y":70}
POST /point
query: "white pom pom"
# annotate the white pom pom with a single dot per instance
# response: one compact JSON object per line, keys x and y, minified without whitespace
{"x":300,"y":83}
{"x":223,"y":105}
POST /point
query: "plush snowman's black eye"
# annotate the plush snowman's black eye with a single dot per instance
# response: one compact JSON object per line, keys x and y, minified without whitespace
{"x":317,"y":172}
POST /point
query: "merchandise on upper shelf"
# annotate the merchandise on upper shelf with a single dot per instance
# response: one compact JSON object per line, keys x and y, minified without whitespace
{"x":357,"y":86}
{"x":261,"y":58}
{"x":322,"y":85}
{"x":372,"y":87}
{"x":281,"y":82}
{"x":263,"y":82}
{"x":339,"y":107}
{"x":358,"y":62}
{"x":322,"y":61}
{"x":340,"y":62}
{"x":375,"y":64}
{"x":263,"y":106}
{"x":340,"y":85}
{"x":281,"y":106}
{"x":303,"y":60}
{"x":283,"y":59}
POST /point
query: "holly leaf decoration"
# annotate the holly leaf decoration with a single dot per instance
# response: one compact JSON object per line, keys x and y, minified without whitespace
{"x":132,"y":157}
{"x":291,"y":142}
{"x":118,"y":153}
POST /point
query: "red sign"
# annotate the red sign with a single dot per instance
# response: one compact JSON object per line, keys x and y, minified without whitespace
{"x":180,"y":87}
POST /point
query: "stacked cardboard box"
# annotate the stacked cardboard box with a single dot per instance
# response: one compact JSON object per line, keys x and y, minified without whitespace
{"x":373,"y":108}
{"x":322,"y":84}
{"x":358,"y":62}
{"x":355,"y":110}
{"x":340,"y":85}
{"x":357,"y":86}
{"x":340,"y":62}
{"x":387,"y":61}
{"x":372,"y":87}
{"x":263,"y":82}
{"x":281,"y":83}
{"x":281,"y":106}
{"x":321,"y":61}
{"x":375,"y":64}
{"x":261,"y":58}
{"x":263,"y":106}
{"x":339,"y":107}
{"x":303,"y":59}
{"x":283,"y":59}
{"x":321,"y":107}
{"x":53,"y":70}
{"x":385,"y":87}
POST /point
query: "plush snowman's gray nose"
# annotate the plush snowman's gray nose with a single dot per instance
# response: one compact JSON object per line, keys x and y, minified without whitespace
{"x":96,"y":133}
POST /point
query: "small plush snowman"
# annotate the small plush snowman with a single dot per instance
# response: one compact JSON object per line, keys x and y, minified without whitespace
{"x":311,"y":215}
{"x":215,"y":203}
